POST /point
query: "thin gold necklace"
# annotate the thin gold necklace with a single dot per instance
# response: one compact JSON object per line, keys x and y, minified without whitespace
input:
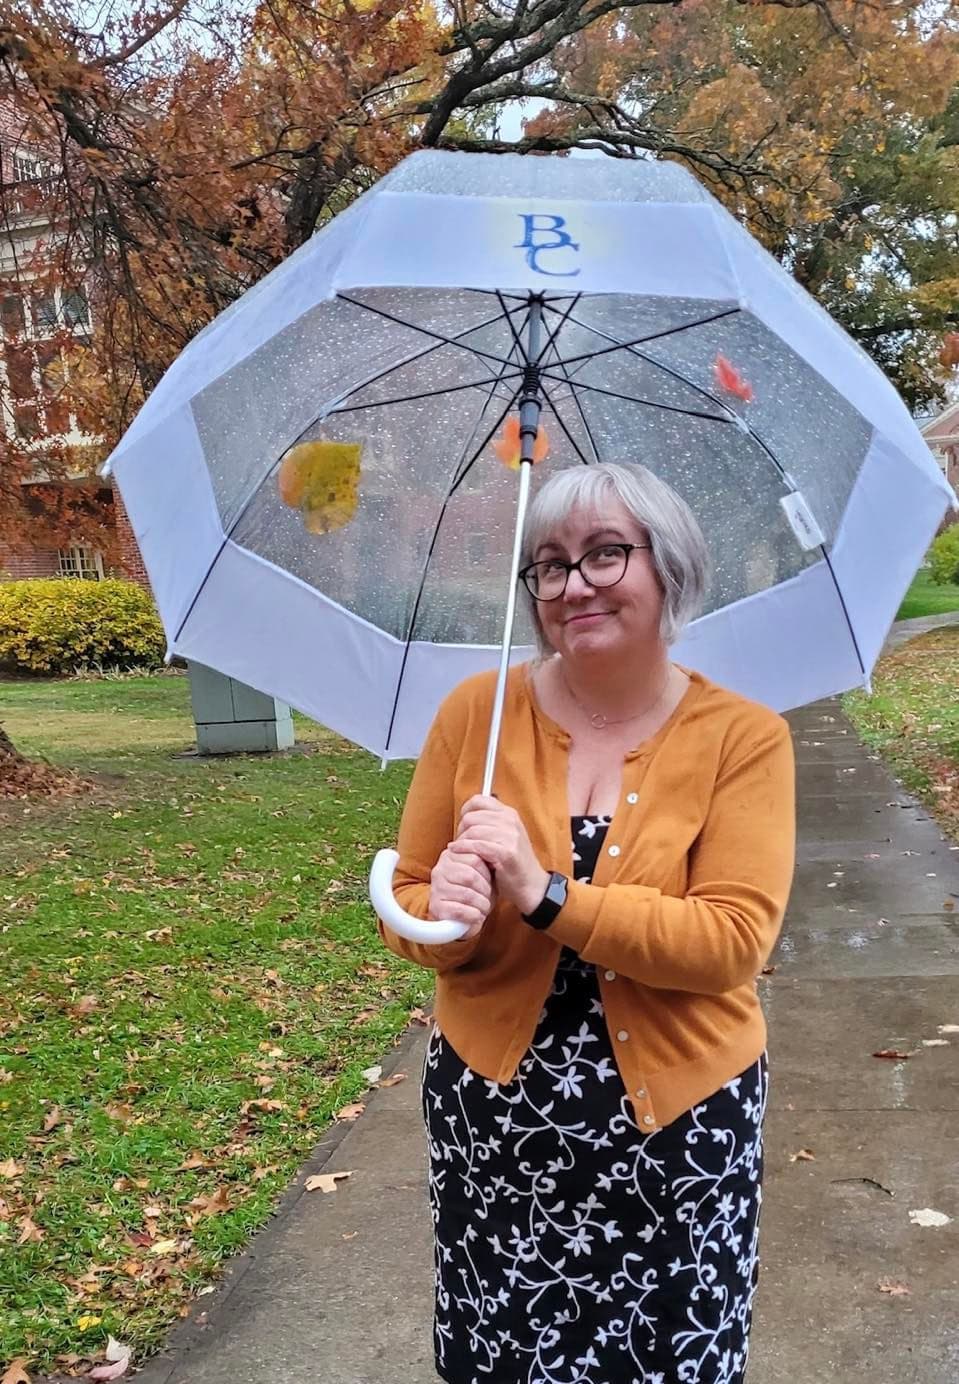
{"x":596,"y":718}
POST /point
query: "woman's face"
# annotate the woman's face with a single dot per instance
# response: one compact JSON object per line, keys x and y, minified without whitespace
{"x":589,"y":621}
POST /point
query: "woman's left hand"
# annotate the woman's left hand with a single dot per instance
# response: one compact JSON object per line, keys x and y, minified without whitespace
{"x":496,"y":833}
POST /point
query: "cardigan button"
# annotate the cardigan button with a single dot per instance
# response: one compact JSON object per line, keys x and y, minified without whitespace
{"x":609,"y":975}
{"x":632,"y":797}
{"x":622,"y":1035}
{"x":614,"y":850}
{"x":649,"y":1119}
{"x":641,"y":1094}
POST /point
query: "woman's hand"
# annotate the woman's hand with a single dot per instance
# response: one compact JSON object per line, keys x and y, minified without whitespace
{"x":495,"y":833}
{"x":461,"y":889}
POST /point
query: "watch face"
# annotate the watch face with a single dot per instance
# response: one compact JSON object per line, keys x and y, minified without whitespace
{"x":556,"y":891}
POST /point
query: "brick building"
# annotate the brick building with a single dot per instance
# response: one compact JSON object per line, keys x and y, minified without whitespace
{"x":32,"y":402}
{"x":942,"y":435}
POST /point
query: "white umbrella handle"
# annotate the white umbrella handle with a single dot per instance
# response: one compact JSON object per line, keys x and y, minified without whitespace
{"x":384,"y":862}
{"x":401,"y":922}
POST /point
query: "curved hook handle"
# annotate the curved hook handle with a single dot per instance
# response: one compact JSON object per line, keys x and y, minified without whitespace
{"x":401,"y":922}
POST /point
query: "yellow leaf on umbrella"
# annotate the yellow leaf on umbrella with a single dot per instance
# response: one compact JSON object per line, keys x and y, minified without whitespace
{"x":509,"y":447}
{"x":321,"y":480}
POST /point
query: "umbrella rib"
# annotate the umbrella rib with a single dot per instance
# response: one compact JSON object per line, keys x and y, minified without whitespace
{"x":365,"y":384}
{"x":426,"y":564}
{"x":427,"y":394}
{"x":648,"y":403}
{"x":517,"y":339}
{"x":579,"y":408}
{"x":435,"y":336}
{"x":569,"y":436}
{"x":558,"y":328}
{"x":641,"y":340}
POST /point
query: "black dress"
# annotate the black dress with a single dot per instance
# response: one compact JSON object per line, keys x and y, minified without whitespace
{"x":571,"y":1248}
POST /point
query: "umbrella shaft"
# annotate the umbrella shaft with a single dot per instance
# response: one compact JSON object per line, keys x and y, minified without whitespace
{"x":529,"y":411}
{"x":500,"y":695}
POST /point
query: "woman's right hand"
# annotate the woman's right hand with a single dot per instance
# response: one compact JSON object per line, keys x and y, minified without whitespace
{"x":461,"y":890}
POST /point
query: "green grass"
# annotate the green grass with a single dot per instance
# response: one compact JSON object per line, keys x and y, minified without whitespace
{"x":191,"y":977}
{"x":912,"y":719}
{"x":924,"y":597}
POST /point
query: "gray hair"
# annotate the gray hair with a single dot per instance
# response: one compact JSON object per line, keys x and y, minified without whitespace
{"x":679,"y":550}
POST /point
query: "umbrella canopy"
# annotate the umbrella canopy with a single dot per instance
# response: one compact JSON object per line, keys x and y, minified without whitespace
{"x":318,"y":483}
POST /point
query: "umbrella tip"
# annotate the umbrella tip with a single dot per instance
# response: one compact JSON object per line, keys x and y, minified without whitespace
{"x":383,"y":763}
{"x":106,"y":468}
{"x":168,"y":656}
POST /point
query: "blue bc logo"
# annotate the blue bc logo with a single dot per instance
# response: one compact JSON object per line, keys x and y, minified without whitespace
{"x":542,"y":232}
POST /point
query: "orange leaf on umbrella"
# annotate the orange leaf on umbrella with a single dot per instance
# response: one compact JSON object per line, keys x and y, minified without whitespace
{"x":949,"y":355}
{"x":509,"y":447}
{"x":730,"y":380}
{"x":321,"y":480}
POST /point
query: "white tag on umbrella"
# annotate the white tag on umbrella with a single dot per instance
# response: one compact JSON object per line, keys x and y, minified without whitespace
{"x":802,"y":521}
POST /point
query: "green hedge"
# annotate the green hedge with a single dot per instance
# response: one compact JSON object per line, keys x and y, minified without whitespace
{"x":63,"y":624}
{"x":944,"y":557}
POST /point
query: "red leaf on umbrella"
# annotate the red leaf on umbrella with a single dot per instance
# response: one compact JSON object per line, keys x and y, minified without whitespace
{"x":730,"y":380}
{"x":508,"y":447}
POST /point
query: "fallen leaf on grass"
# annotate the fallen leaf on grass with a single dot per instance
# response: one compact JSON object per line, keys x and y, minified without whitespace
{"x":124,"y":1114}
{"x":30,"y":1233}
{"x":325,"y":1182}
{"x":195,"y":1160}
{"x":268,"y":1105}
{"x":118,"y":1358}
{"x":893,"y":1054}
{"x":887,"y":1285}
{"x":419,"y":1016}
{"x":16,"y":1373}
{"x":213,"y":1205}
{"x":351,"y":1112}
{"x":803,"y":1156}
{"x":393,"y":1080}
{"x":10,"y":1168}
{"x":163,"y":1247}
{"x":84,"y":1006}
{"x":929,"y":1217}
{"x":53,"y":1118}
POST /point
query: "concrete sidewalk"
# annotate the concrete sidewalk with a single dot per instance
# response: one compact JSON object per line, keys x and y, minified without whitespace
{"x":337,"y":1290}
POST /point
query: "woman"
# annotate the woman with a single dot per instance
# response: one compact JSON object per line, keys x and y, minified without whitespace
{"x":595,"y":1084}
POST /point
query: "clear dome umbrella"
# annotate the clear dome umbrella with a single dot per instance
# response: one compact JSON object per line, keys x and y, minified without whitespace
{"x":318,"y":483}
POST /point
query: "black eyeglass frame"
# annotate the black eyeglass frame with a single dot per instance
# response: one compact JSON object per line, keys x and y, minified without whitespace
{"x":577,"y":566}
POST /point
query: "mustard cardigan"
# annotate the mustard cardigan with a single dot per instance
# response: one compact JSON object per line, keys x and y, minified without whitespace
{"x":683,"y":910}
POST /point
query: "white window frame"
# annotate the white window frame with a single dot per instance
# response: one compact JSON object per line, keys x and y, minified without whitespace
{"x":79,"y":562}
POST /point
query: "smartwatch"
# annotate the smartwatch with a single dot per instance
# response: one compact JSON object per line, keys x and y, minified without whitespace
{"x":551,"y":902}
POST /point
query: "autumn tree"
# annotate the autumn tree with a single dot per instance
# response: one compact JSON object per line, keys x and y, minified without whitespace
{"x":185,"y":151}
{"x":844,"y":118}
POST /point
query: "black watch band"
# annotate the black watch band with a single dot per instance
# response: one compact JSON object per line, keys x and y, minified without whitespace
{"x":551,"y":902}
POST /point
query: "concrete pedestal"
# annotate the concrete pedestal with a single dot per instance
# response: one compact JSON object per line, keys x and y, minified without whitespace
{"x":232,"y":718}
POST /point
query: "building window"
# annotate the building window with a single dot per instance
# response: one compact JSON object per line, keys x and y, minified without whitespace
{"x":45,"y":314}
{"x":82,"y":562}
{"x":12,"y":320}
{"x":75,"y":308}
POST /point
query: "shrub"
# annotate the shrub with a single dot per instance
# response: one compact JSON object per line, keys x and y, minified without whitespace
{"x":61,"y":624}
{"x":944,"y":557}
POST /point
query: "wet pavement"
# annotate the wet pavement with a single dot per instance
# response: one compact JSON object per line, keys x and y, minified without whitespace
{"x":337,"y":1289}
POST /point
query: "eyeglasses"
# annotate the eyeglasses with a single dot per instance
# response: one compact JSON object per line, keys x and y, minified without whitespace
{"x":605,"y":566}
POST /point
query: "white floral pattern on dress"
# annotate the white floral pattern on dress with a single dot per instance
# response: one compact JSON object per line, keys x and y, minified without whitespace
{"x":571,"y":1248}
